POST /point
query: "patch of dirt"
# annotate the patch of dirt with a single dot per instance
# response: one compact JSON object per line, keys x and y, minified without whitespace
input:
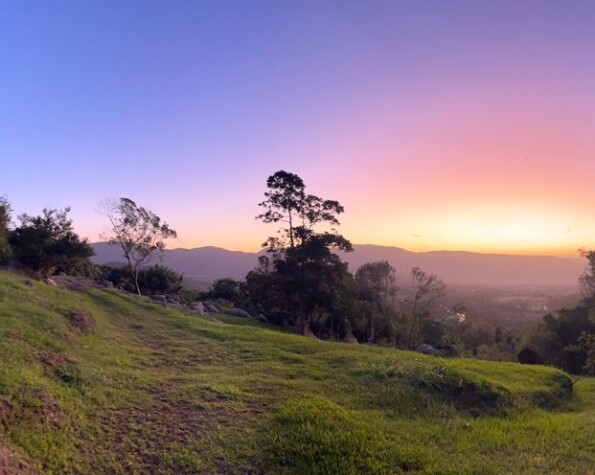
{"x":42,"y":408}
{"x":6,"y":412}
{"x":10,"y":465}
{"x":81,"y":321}
{"x":141,"y":433}
{"x":74,"y":283}
{"x":60,"y":366}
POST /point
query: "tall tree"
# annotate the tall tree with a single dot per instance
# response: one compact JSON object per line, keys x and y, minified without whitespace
{"x":4,"y":231}
{"x":139,"y":232}
{"x":303,"y":261}
{"x":376,"y":286}
{"x":287,"y":202}
{"x":48,"y":242}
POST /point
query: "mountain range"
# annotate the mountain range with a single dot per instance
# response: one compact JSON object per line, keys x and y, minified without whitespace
{"x":203,"y":265}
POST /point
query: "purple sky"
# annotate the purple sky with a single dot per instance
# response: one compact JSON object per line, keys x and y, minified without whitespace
{"x":457,"y":125}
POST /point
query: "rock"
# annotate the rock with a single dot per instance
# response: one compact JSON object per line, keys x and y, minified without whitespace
{"x":199,"y":308}
{"x":108,"y":285}
{"x":212,"y":308}
{"x":350,"y":338}
{"x":261,"y":318}
{"x":309,"y":333}
{"x":160,"y":298}
{"x":427,"y":349}
{"x":238,"y":312}
{"x":51,"y":282}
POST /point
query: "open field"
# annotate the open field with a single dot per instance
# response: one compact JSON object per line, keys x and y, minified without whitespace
{"x":150,"y":389}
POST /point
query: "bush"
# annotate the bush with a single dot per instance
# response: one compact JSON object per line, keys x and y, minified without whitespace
{"x":47,"y":243}
{"x":152,"y":280}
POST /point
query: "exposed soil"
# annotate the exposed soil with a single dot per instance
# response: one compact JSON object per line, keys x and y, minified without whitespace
{"x":81,"y":321}
{"x":10,"y":465}
{"x":74,"y":283}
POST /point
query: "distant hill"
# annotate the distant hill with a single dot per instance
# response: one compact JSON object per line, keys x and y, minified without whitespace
{"x":202,"y":265}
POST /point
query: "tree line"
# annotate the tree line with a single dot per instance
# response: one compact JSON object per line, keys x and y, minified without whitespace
{"x":300,"y":282}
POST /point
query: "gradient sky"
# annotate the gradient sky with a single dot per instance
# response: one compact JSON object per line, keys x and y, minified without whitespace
{"x":437,"y":124}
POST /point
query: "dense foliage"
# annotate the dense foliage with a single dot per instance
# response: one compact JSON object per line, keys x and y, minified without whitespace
{"x":308,"y":277}
{"x":153,"y":280}
{"x":47,"y":243}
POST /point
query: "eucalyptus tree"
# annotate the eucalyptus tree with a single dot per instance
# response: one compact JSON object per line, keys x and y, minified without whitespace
{"x":139,"y":232}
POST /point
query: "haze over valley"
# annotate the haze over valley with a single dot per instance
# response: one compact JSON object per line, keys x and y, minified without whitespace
{"x":206,"y":264}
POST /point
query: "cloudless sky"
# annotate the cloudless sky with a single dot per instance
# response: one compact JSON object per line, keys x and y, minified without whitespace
{"x":437,"y":124}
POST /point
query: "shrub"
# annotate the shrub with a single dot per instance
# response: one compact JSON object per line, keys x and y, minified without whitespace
{"x":43,"y":244}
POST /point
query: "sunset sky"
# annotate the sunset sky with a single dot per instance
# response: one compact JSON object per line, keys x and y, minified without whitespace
{"x":460,"y":125}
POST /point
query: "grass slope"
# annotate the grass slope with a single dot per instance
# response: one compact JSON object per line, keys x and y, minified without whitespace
{"x":151,"y":390}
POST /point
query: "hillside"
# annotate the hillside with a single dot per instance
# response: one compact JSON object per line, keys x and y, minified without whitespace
{"x":101,"y":382}
{"x":205,"y":264}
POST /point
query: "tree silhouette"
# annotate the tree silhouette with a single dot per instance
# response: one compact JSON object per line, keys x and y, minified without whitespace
{"x":303,"y":265}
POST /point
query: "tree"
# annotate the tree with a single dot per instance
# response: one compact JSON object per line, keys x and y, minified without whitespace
{"x":47,"y":242}
{"x":226,"y":289}
{"x":139,"y":232}
{"x":376,"y":286}
{"x":426,"y":290}
{"x":287,"y":201}
{"x":4,"y":231}
{"x":303,"y":264}
{"x":587,"y":278}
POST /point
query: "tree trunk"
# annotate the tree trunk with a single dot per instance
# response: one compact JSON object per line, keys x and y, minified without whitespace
{"x":372,"y":335}
{"x":134,"y":274}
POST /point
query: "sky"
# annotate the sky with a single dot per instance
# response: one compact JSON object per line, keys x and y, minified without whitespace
{"x":459,"y":125}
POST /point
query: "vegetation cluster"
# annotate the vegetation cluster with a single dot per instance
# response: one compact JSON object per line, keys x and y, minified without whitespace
{"x":302,"y":285}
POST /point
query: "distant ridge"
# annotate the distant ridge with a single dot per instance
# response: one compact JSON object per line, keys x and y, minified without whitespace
{"x":205,"y":264}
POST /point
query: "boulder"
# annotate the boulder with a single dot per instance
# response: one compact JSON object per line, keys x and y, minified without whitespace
{"x":238,"y":312}
{"x":261,"y":318}
{"x":199,"y":308}
{"x":212,"y":308}
{"x":427,"y":349}
{"x":350,"y":338}
{"x":160,"y":298}
{"x":309,"y":333}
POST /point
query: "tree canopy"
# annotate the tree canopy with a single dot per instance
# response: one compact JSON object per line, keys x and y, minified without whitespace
{"x":46,"y":243}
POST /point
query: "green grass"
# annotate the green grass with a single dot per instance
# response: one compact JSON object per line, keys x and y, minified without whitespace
{"x":153,"y":390}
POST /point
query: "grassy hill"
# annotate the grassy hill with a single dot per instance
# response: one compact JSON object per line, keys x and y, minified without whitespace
{"x":100,"y":382}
